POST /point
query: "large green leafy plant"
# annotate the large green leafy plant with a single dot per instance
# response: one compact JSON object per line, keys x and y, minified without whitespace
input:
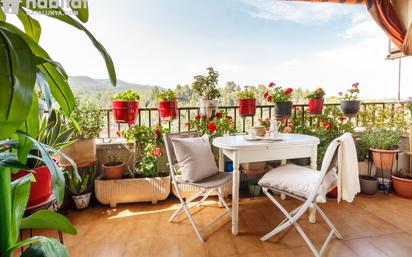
{"x":23,"y":64}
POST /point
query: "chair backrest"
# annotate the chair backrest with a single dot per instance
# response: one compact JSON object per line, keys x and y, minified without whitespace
{"x":171,"y":156}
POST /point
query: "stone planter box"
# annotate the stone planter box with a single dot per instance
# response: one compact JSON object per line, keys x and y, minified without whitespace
{"x":189,"y":190}
{"x":80,"y":151}
{"x":132,"y":190}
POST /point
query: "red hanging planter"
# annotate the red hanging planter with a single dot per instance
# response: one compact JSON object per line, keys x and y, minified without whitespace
{"x":247,"y":107}
{"x":125,"y":111}
{"x":315,"y":106}
{"x":41,"y":190}
{"x":168,"y":110}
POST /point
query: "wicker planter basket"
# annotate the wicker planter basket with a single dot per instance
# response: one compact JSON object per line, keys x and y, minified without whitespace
{"x":132,"y":190}
{"x":189,"y":190}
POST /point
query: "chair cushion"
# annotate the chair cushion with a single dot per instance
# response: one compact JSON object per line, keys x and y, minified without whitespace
{"x":195,"y":158}
{"x":214,"y":181}
{"x":298,"y":180}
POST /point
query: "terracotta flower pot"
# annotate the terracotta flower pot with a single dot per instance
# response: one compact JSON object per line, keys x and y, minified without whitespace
{"x":283,"y":109}
{"x":315,"y":106}
{"x":125,"y":111}
{"x":167,"y":110}
{"x":247,"y":107}
{"x":350,"y":108}
{"x":383,"y":159}
{"x":40,"y":190}
{"x":402,"y":186}
{"x":113,"y":171}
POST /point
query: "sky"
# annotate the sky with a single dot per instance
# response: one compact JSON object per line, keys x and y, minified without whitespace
{"x":250,"y":42}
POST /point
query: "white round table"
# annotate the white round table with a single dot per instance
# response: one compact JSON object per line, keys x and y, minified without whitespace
{"x":240,"y":150}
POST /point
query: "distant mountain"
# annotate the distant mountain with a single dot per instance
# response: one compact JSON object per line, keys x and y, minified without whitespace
{"x":87,"y":85}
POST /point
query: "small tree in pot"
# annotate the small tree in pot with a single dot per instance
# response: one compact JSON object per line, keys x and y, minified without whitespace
{"x":316,"y":101}
{"x":125,"y":106}
{"x":206,"y":88}
{"x":350,"y":104}
{"x":247,"y":102}
{"x":167,"y":104}
{"x":282,"y":99}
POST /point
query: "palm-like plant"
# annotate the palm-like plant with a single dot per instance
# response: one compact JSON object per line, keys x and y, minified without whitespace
{"x":24,"y":63}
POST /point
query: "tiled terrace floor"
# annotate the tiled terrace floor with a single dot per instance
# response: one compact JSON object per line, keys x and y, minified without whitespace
{"x":376,"y":226}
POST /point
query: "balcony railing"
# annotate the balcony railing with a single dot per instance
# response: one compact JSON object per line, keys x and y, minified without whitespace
{"x":150,"y":117}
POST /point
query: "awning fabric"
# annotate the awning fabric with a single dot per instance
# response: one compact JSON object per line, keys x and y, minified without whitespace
{"x":393,"y":16}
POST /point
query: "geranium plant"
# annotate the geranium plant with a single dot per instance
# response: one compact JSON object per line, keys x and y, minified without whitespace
{"x":264,"y":122}
{"x":129,"y":95}
{"x":206,"y":86}
{"x":221,"y":125}
{"x":166,"y":95}
{"x":278,"y":94}
{"x":319,"y":93}
{"x":149,"y":142}
{"x":351,"y":94}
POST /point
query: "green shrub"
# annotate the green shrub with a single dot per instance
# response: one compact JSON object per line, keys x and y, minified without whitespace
{"x":382,"y":138}
{"x":246,"y":94}
{"x":88,"y":120}
{"x":166,"y":95}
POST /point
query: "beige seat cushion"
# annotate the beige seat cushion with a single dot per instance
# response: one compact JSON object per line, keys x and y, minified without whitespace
{"x":298,"y":180}
{"x":195,"y":158}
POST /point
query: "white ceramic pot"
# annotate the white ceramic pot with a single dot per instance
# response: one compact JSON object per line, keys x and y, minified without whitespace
{"x":82,"y":201}
{"x":209,"y":108}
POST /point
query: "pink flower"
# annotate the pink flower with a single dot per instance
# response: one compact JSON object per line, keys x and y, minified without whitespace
{"x":355,"y":85}
{"x":271,"y":84}
{"x":260,"y":120}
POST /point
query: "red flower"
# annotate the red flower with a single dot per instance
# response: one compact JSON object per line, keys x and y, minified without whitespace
{"x":341,"y":119}
{"x":321,"y":121}
{"x":219,"y":115}
{"x":269,"y":98}
{"x":211,"y":127}
{"x":157,"y":152}
{"x":197,"y":117}
{"x":265,"y":95}
{"x":328,"y":126}
{"x":271,"y":84}
{"x":288,"y":91}
{"x":158,"y":133}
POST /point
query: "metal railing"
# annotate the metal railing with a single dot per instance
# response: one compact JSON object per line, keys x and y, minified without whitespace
{"x":150,"y":117}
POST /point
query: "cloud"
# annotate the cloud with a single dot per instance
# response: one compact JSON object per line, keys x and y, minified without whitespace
{"x":296,"y":12}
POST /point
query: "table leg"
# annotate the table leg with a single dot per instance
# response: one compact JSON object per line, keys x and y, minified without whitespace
{"x":283,"y":196}
{"x":221,"y":169}
{"x":313,"y":165}
{"x":235,"y":194}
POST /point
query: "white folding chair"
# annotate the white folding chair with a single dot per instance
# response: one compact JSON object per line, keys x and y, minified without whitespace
{"x":207,"y":186}
{"x":285,"y":180}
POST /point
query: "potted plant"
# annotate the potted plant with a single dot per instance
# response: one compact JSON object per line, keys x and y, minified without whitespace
{"x":316,"y":100}
{"x":247,"y":102}
{"x":383,"y":144}
{"x":167,"y":104}
{"x":368,"y":182}
{"x":114,"y":168}
{"x":282,"y":99}
{"x":125,"y":106}
{"x":149,"y":181}
{"x":87,"y":120}
{"x":206,"y":88}
{"x":80,"y":187}
{"x":402,"y":184}
{"x":54,"y":134}
{"x":350,"y":104}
